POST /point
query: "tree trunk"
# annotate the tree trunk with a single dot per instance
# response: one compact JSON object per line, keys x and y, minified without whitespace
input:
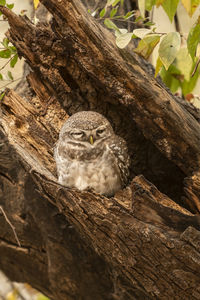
{"x":144,"y":243}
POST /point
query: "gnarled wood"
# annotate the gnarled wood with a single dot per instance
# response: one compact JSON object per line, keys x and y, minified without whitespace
{"x":80,"y":245}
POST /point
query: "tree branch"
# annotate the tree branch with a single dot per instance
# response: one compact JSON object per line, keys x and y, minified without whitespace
{"x":139,"y":244}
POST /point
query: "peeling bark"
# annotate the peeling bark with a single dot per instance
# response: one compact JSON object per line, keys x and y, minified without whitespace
{"x":144,"y":242}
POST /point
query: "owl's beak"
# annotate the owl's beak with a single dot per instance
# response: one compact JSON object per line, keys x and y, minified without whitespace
{"x":91,"y":140}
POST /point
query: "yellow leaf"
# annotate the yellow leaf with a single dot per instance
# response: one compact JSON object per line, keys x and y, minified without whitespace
{"x":159,"y":65}
{"x":187,"y":5}
{"x":12,"y":295}
{"x":190,"y":6}
{"x":36,"y":3}
{"x":159,"y":2}
{"x":146,"y":45}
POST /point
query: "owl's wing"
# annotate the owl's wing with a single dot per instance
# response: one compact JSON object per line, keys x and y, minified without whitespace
{"x":119,"y":149}
{"x":55,"y":150}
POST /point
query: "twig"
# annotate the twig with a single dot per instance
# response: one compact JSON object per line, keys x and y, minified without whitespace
{"x":196,"y":66}
{"x":116,"y":19}
{"x":7,"y":63}
{"x":17,"y":291}
{"x":12,"y":227}
{"x":11,"y":82}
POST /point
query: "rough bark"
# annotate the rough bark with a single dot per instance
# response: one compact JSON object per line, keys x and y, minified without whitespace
{"x":140,"y":244}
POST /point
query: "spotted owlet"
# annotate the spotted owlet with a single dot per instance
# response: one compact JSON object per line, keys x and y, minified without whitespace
{"x":89,"y":155}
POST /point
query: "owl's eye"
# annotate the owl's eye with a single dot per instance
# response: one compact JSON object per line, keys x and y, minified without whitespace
{"x":78,"y":134}
{"x":100,"y":131}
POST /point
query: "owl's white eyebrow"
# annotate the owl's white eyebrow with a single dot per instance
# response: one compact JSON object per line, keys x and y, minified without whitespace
{"x":101,"y":128}
{"x":77,"y":132}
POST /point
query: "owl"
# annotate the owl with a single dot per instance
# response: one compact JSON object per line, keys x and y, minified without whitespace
{"x":89,"y":155}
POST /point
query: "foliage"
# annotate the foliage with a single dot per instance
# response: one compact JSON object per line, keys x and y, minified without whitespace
{"x":42,"y":297}
{"x":177,"y":65}
{"x":15,"y":294}
{"x":177,"y":61}
{"x":7,"y":52}
{"x":36,"y":3}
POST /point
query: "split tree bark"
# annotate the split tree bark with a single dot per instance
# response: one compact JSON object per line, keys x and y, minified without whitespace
{"x":144,"y":242}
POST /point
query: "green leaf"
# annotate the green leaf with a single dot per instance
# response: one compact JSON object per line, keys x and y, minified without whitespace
{"x":123,"y":40}
{"x":113,"y":12}
{"x":5,"y":42}
{"x":159,"y":65}
{"x":193,"y":40}
{"x":169,"y":77}
{"x":129,"y":15}
{"x":5,"y":53}
{"x":2,"y":2}
{"x":149,"y":24}
{"x":188,"y":86}
{"x":14,"y":61}
{"x":138,"y":19}
{"x":169,"y":47}
{"x":42,"y":297}
{"x":10,"y":75}
{"x":184,"y":63}
{"x":149,"y":4}
{"x":115,"y":2}
{"x":10,"y":6}
{"x":111,"y":2}
{"x":170,"y":7}
{"x":146,"y":45}
{"x":102,"y":12}
{"x":109,"y":24}
{"x":1,"y":76}
{"x":12,"y":49}
{"x":2,"y":95}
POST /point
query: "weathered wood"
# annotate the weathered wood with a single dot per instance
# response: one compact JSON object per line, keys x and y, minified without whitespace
{"x":125,"y":82}
{"x":80,"y":245}
{"x":84,"y":70}
{"x":129,"y":232}
{"x":51,"y":247}
{"x":125,"y":237}
{"x":192,"y":191}
{"x":81,"y":64}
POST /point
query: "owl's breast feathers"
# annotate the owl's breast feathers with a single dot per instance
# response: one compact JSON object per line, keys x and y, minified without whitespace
{"x":100,"y":174}
{"x":70,"y":152}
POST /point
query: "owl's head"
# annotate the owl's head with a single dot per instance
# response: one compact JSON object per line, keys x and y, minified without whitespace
{"x":86,"y":127}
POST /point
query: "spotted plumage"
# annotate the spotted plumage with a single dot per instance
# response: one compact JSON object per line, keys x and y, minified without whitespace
{"x":89,"y":155}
